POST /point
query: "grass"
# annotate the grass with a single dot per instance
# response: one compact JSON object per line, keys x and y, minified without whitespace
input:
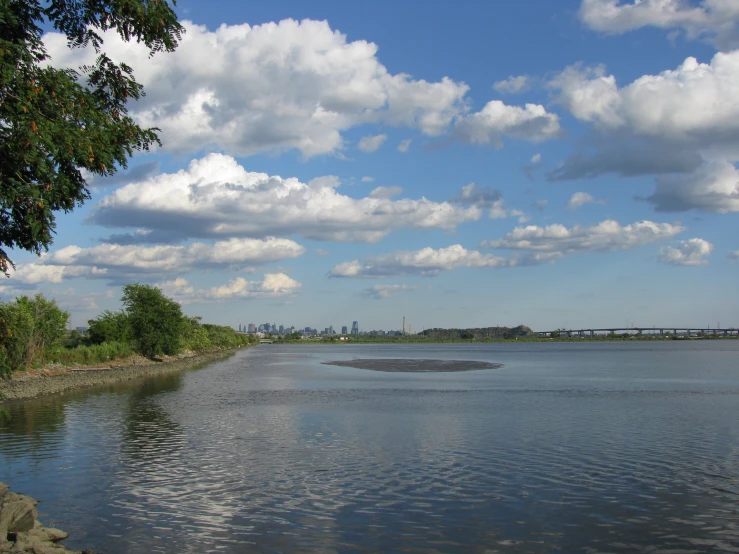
{"x":93,"y":354}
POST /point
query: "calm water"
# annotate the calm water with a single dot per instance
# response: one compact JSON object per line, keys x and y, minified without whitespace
{"x":572,"y":448}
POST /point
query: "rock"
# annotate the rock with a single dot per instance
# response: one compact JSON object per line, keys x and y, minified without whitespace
{"x":17,"y":514}
{"x":3,"y":492}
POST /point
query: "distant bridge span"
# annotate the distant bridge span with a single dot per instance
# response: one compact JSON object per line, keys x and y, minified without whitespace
{"x":686,"y":331}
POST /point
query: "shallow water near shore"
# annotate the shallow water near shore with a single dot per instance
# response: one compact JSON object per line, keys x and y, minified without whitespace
{"x":602,"y":447}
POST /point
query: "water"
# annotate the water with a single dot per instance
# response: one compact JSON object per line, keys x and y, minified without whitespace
{"x":623,"y":447}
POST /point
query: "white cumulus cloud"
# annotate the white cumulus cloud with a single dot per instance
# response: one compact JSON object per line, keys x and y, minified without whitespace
{"x":287,"y":85}
{"x":404,"y":145}
{"x":581,"y":198}
{"x":273,"y":285}
{"x":689,"y":252}
{"x":116,"y":262}
{"x":713,"y":20}
{"x":217,"y":197}
{"x":427,"y":261}
{"x":555,"y":241}
{"x":496,"y":120}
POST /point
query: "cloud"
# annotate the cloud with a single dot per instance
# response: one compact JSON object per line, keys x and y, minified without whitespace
{"x":371,"y":143}
{"x":627,"y":156}
{"x":474,"y":195}
{"x":713,"y":20}
{"x":581,"y":198}
{"x":734,"y":255}
{"x":380,"y":292}
{"x":136,"y":173}
{"x":273,"y":285}
{"x":690,"y":252}
{"x":514,"y":84}
{"x":385,"y":192}
{"x":404,"y":145}
{"x":322,"y":252}
{"x":540,"y":205}
{"x":367,"y":179}
{"x":117,"y":262}
{"x":288,"y":85}
{"x":496,"y":119}
{"x":555,"y":241}
{"x":695,"y":103}
{"x":428,"y":262}
{"x":216,"y":197}
{"x":529,"y":168}
{"x":713,"y":188}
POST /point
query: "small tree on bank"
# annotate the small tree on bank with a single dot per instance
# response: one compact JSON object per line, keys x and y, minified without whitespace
{"x":28,"y":328}
{"x":155,"y":321}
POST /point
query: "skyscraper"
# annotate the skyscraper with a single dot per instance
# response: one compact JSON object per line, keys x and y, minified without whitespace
{"x":355,"y":328}
{"x":252,"y":328}
{"x":344,"y":329}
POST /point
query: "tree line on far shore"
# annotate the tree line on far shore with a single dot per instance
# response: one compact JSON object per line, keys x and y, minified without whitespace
{"x":33,"y":332}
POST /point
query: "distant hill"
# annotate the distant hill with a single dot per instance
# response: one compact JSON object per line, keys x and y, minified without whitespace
{"x":479,"y":333}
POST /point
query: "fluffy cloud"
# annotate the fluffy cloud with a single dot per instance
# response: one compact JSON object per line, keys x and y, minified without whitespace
{"x":380,"y":292}
{"x":581,"y":198}
{"x":496,"y":119}
{"x":695,"y":102}
{"x":278,"y":86}
{"x":217,"y":197}
{"x":385,"y":192}
{"x":713,"y":188}
{"x":690,"y":252}
{"x":371,"y":143}
{"x":734,"y":255}
{"x":272,"y":286}
{"x":116,"y":262}
{"x":715,"y":20}
{"x":555,"y":241}
{"x":513,"y":84}
{"x":428,"y":262}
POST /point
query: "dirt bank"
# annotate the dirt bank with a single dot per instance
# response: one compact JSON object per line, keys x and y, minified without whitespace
{"x":53,"y":380}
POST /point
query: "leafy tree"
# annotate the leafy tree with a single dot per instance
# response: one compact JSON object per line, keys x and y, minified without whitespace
{"x":28,"y":328}
{"x":55,"y":123}
{"x":467,"y":335}
{"x":109,"y":327}
{"x":155,"y":321}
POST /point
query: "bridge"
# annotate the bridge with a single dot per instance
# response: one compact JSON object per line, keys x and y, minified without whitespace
{"x":680,"y":331}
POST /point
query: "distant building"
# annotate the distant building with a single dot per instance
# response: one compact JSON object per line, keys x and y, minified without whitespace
{"x":81,"y":330}
{"x":282,"y":329}
{"x":355,"y":328}
{"x":252,"y":328}
{"x":344,"y":330}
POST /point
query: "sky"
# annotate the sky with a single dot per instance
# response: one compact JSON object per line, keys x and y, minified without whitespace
{"x":558,"y":164}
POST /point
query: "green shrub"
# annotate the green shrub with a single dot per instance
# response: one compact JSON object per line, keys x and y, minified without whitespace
{"x":93,"y":354}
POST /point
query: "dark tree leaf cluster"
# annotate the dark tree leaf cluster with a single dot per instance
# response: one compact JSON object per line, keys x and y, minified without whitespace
{"x":55,"y":123}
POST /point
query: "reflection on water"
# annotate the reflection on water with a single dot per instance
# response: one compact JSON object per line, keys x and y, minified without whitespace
{"x":596,"y":448}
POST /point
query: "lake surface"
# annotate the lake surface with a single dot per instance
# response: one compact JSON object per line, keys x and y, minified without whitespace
{"x":603,"y":447}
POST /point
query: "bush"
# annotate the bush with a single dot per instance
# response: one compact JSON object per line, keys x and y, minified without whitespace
{"x":28,"y":329}
{"x":109,"y":327}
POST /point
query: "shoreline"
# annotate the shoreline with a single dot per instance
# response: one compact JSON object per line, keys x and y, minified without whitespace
{"x":34,"y":385}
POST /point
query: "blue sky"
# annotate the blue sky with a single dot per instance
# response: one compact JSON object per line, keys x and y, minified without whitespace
{"x":463,"y":164}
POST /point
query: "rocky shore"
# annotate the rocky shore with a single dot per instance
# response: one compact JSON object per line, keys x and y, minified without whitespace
{"x":20,"y":529}
{"x":40,"y":384}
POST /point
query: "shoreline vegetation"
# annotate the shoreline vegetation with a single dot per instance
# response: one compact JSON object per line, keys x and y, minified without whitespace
{"x":149,"y":335}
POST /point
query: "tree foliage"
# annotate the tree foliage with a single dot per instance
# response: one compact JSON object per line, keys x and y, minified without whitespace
{"x":155,"y":321}
{"x":55,"y":123}
{"x":109,"y":327}
{"x":29,"y":327}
